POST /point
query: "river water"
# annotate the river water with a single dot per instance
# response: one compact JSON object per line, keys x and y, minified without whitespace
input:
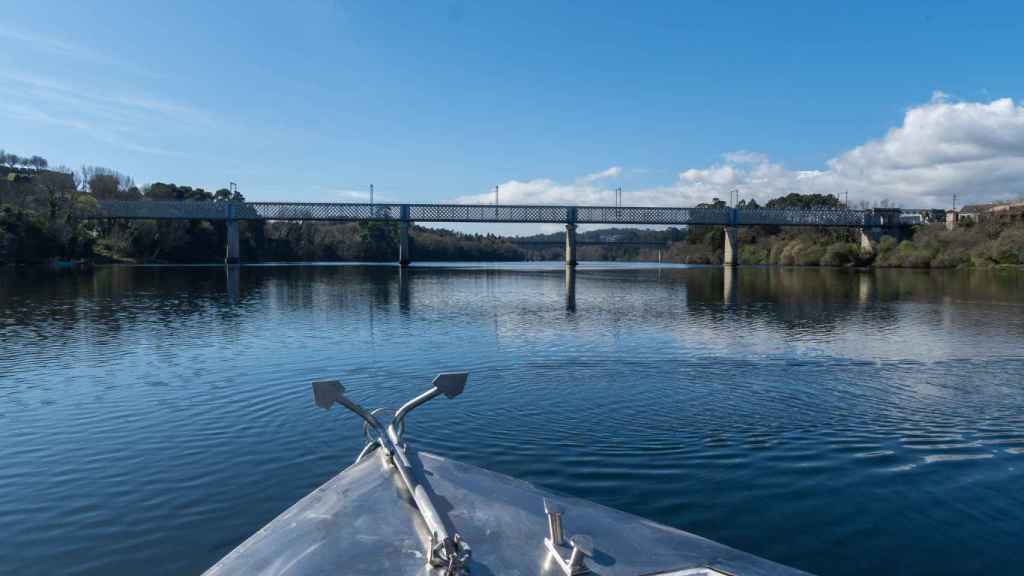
{"x":842,"y":422}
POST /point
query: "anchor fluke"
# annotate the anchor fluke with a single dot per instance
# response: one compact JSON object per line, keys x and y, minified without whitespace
{"x":451,"y":384}
{"x":327,"y":392}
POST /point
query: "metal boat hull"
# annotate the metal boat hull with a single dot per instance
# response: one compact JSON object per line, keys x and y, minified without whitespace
{"x":363,"y":522}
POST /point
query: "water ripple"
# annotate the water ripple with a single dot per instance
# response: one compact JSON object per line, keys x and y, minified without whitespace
{"x":145,"y":411}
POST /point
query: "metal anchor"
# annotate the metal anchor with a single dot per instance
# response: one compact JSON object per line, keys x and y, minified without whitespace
{"x":447,"y":550}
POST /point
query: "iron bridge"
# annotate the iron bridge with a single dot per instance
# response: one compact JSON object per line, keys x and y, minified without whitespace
{"x":295,"y":211}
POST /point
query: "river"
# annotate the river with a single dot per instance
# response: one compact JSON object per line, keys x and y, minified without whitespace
{"x":842,"y":422}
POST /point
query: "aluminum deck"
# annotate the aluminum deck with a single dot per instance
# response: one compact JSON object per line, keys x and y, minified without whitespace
{"x":363,"y":522}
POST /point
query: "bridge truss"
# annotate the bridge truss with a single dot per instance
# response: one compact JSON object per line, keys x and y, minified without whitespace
{"x":297,"y":211}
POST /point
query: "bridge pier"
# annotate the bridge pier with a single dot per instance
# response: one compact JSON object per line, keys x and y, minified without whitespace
{"x":404,"y":256}
{"x":570,"y":245}
{"x":868,"y":239}
{"x":232,"y":251}
{"x":731,"y":249}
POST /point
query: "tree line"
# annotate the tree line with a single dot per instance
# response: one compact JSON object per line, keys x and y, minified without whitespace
{"x":13,"y":161}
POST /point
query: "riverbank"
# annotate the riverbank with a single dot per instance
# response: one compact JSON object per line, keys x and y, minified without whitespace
{"x":988,"y":243}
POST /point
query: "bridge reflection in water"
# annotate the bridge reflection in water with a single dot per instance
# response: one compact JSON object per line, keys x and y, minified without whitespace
{"x":729,"y":288}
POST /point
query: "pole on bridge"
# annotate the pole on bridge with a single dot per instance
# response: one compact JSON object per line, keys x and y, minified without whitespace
{"x":570,"y":239}
{"x":404,"y":255}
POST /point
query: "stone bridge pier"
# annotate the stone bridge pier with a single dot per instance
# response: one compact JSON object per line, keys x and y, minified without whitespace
{"x":731,"y":247}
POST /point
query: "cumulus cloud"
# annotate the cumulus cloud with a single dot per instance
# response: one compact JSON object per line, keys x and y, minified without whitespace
{"x":943,"y":147}
{"x":603,"y":175}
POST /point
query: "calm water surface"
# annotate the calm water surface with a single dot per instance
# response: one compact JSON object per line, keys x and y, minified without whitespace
{"x":841,"y":422}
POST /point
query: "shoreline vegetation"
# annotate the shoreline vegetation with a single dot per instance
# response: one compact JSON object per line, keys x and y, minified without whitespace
{"x":38,"y":225}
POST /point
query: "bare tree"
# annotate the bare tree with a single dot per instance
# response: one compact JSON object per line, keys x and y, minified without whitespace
{"x":104,"y":182}
{"x":58,"y":187}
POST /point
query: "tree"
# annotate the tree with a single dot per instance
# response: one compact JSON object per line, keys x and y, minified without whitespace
{"x":58,"y":187}
{"x":105,"y":184}
{"x":805,"y":201}
{"x":38,"y":162}
{"x":11,"y":160}
{"x":715,"y":203}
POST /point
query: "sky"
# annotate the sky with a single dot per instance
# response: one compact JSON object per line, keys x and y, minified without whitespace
{"x":556,"y":103}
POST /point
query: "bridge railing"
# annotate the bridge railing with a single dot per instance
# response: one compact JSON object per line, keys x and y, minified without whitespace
{"x":643,"y":215}
{"x":804,"y":217}
{"x":485,"y":213}
{"x":161,"y":210}
{"x":320,"y":211}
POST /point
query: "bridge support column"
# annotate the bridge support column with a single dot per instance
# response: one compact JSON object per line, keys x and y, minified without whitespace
{"x":232,"y":254}
{"x":404,"y":257}
{"x":731,"y":249}
{"x":868,"y":237}
{"x":570,"y":245}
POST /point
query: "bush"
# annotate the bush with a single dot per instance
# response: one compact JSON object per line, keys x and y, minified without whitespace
{"x":753,"y":254}
{"x":841,"y":254}
{"x":887,"y":245}
{"x":1009,"y":247}
{"x":810,"y":254}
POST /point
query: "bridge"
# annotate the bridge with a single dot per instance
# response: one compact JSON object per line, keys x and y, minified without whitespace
{"x":871,"y":222}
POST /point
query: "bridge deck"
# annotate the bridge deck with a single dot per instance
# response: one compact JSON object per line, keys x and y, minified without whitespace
{"x":193,"y":210}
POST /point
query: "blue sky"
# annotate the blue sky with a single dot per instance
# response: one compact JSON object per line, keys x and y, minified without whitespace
{"x":559,"y":103}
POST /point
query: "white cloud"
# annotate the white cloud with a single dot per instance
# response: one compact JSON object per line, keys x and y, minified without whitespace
{"x":118,"y":120}
{"x":44,"y":43}
{"x":603,"y":175}
{"x":972,"y":149}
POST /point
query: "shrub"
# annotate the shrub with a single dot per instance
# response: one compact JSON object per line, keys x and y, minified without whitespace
{"x":810,"y":254}
{"x":753,"y":254}
{"x":1009,"y":247}
{"x":788,"y":257}
{"x":841,"y":254}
